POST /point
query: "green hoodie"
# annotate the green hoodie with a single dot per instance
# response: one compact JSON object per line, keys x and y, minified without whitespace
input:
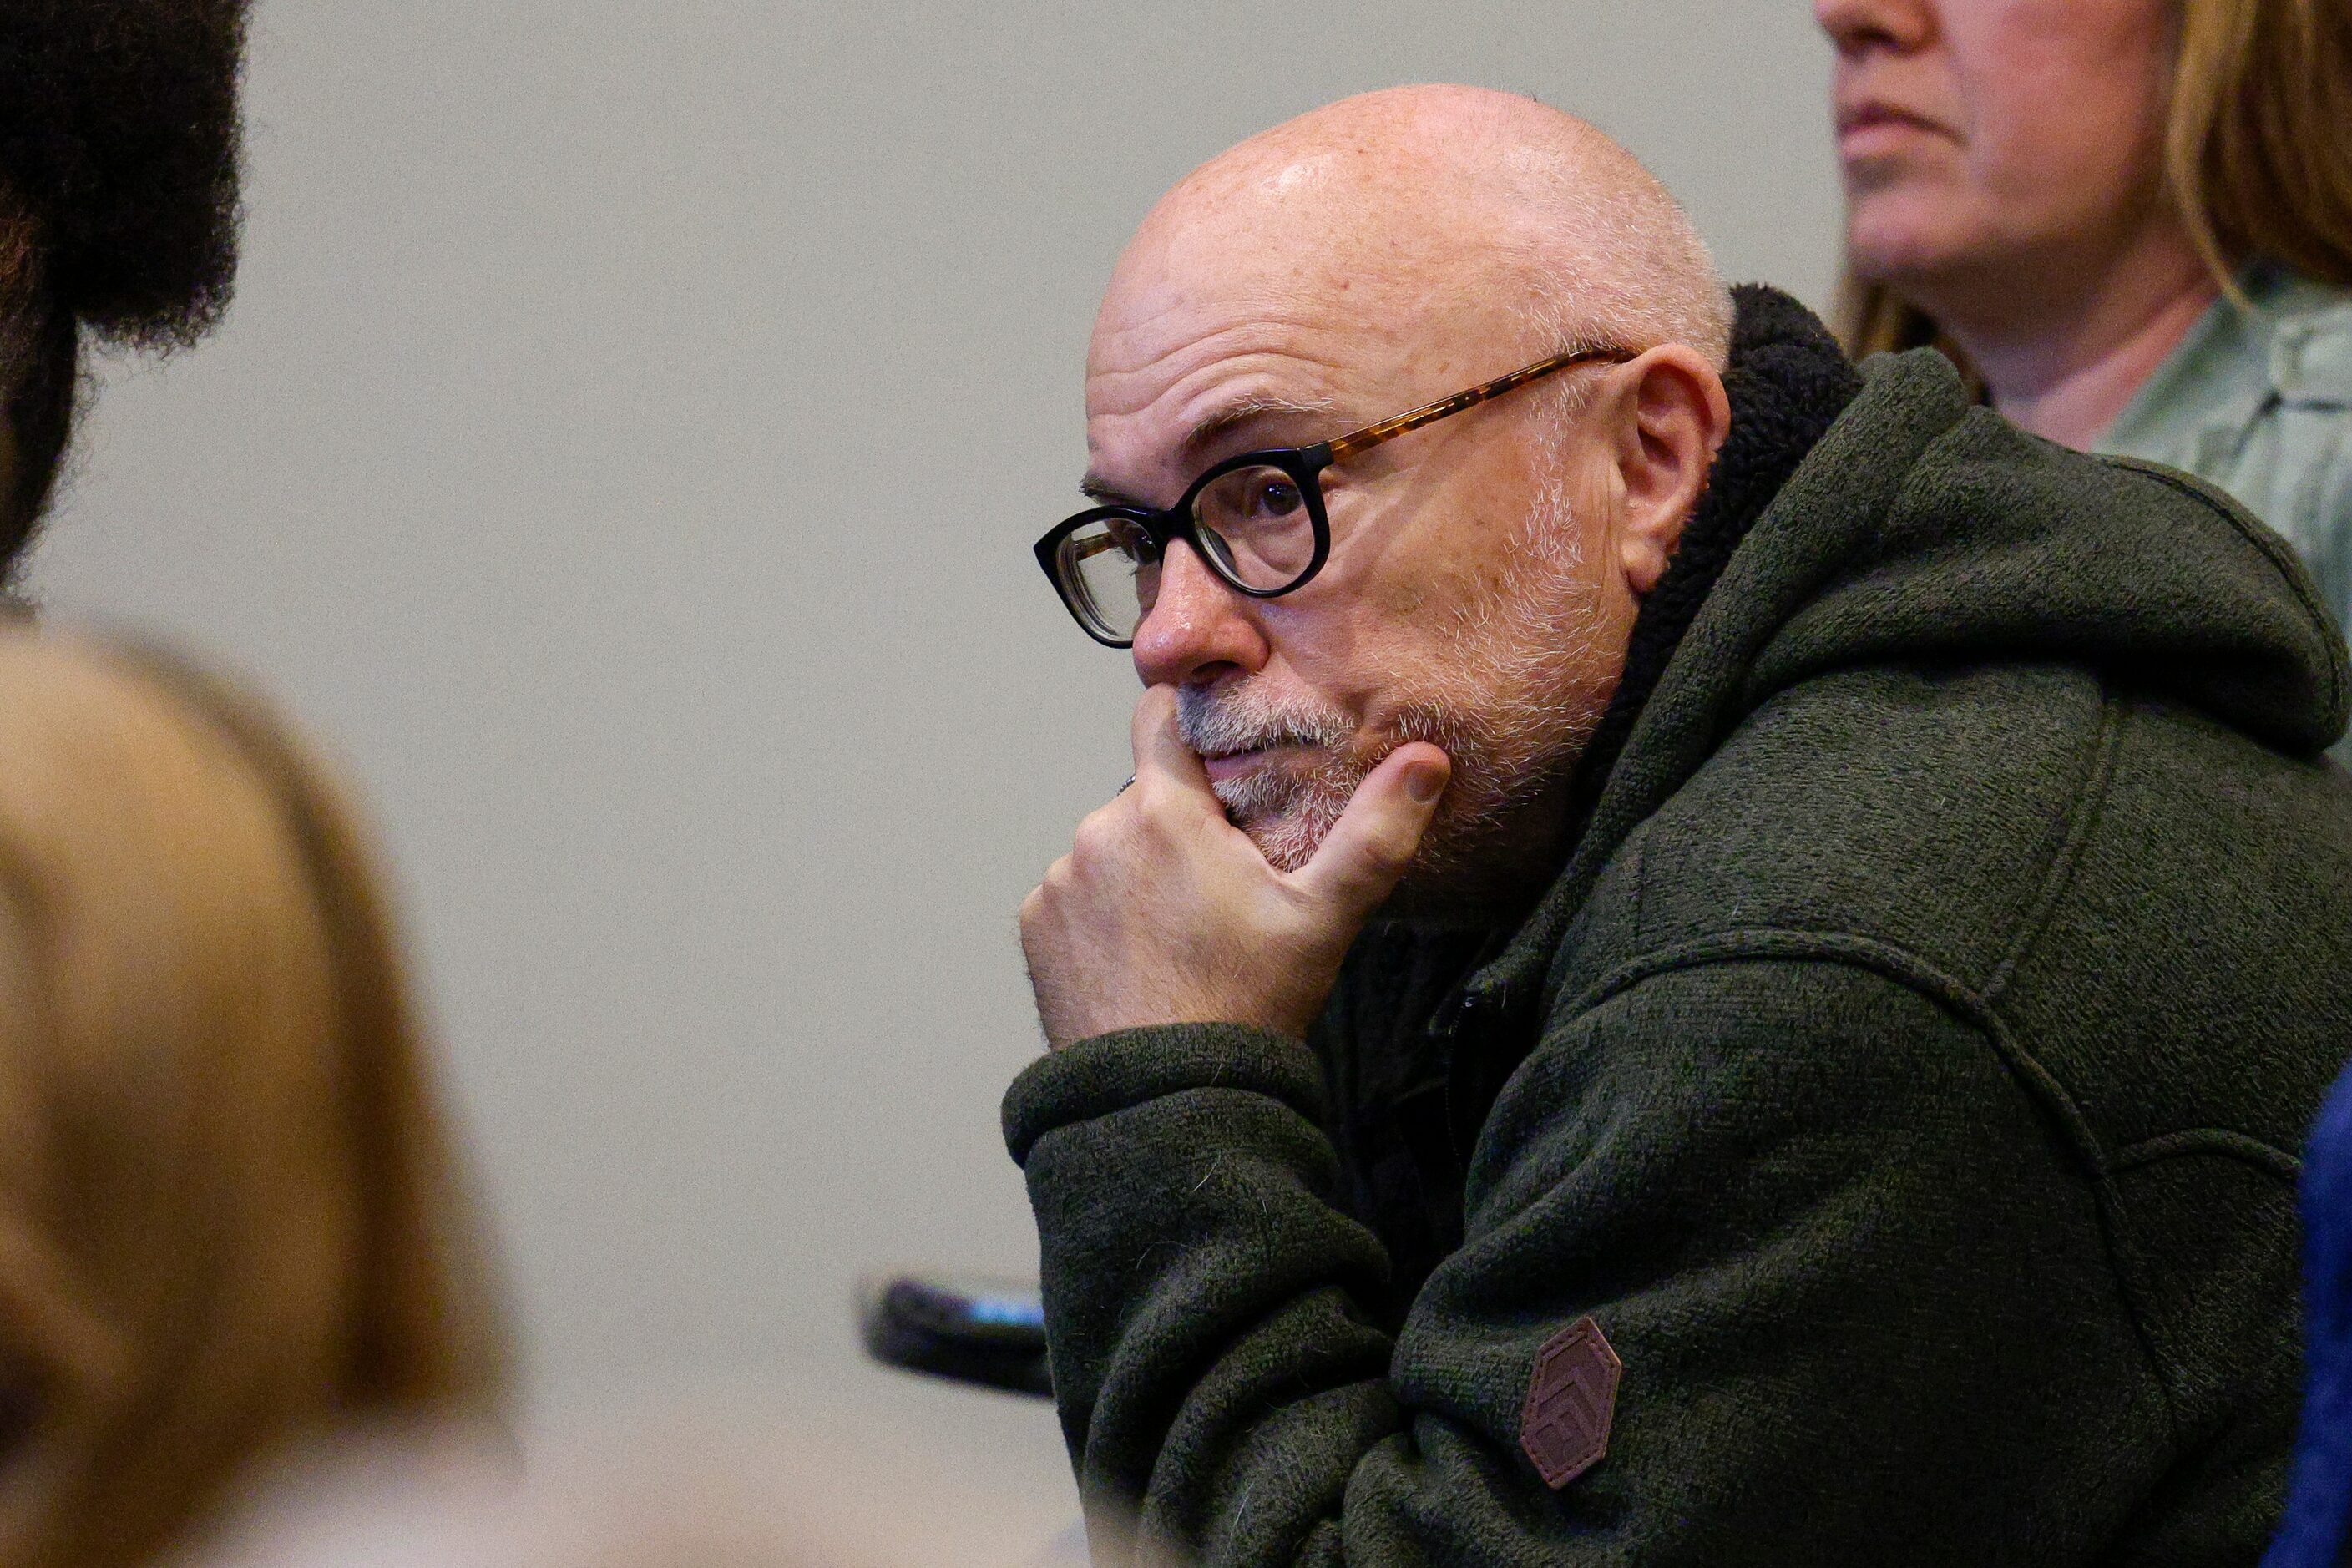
{"x":1903,"y":1076}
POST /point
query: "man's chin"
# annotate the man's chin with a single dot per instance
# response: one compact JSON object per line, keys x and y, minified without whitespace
{"x":1286,"y":805}
{"x":1287,"y":840}
{"x":1287,"y":818}
{"x":1463,"y":871}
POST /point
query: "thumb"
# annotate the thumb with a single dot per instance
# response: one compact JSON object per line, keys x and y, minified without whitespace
{"x":1359,"y":860}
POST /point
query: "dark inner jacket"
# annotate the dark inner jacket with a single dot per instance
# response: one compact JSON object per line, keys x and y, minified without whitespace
{"x":1406,"y":1106}
{"x":1905,"y":1073}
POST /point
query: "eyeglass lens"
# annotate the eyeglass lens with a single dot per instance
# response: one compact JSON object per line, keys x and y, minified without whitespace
{"x":1110,"y":570}
{"x":1254,"y":523}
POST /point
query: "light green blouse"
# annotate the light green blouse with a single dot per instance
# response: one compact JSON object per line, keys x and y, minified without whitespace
{"x":2259,"y":402}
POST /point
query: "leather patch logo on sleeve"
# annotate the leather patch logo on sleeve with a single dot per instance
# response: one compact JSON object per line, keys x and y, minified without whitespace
{"x":1571,"y":1401}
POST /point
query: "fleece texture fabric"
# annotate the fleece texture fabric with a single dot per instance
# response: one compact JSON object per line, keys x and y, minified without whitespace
{"x":1906,"y":1073}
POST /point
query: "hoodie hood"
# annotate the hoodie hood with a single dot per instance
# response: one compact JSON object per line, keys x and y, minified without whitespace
{"x":1993,"y":544}
{"x":1921,"y":529}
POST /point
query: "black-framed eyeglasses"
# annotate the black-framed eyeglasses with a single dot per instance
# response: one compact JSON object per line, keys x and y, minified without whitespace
{"x":1258,"y":519}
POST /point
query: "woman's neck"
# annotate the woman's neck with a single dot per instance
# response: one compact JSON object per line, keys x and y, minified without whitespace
{"x":2063,"y":362}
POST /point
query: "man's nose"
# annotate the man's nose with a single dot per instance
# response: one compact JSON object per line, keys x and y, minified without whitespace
{"x":1856,"y":26}
{"x":1198,"y":626}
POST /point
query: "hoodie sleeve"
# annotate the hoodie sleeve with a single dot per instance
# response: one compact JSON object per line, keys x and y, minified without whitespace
{"x":1856,"y":1296}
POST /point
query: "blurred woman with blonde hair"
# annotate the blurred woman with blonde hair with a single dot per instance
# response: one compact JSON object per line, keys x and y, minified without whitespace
{"x":227,"y":1215}
{"x":2131,"y":220}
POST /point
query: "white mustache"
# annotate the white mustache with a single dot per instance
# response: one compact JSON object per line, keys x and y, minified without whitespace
{"x":1221,"y":722}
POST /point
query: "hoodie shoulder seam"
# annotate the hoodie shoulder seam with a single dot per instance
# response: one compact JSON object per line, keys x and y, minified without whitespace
{"x":2086,"y":798}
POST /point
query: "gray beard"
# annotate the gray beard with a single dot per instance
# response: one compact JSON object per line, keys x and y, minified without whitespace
{"x":1496,"y":831}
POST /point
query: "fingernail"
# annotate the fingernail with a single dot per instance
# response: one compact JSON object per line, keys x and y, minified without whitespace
{"x":1424,"y":784}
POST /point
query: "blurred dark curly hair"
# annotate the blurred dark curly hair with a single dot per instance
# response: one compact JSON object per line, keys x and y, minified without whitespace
{"x":119,"y":163}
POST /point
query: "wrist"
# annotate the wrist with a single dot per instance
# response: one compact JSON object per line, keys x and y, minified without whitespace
{"x":1103,"y":1074}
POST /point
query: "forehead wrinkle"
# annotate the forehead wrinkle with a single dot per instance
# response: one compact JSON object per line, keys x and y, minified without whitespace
{"x":1197,"y":393}
{"x":1201,"y":416}
{"x":1465,"y":293}
{"x":1154,"y":339}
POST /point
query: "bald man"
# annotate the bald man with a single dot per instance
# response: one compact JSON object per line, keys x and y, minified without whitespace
{"x":1711,"y":959}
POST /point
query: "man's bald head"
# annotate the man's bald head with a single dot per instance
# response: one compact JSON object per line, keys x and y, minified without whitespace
{"x":1509,"y":217}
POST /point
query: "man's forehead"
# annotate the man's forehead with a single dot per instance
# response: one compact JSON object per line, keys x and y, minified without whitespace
{"x":1312,"y":251}
{"x":1191,"y":359}
{"x":1173,"y":328}
{"x":1159,"y":404}
{"x":1330,"y":316}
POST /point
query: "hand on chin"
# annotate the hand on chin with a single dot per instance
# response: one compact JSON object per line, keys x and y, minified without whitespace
{"x":1164,"y":911}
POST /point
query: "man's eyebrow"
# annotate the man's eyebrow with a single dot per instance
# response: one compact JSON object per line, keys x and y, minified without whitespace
{"x":1259,"y":408}
{"x":1217,"y":426}
{"x":1109,"y":494}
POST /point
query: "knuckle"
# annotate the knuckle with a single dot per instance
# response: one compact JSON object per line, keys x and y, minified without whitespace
{"x":1096,"y":836}
{"x":1154,"y":801}
{"x":1086,"y":843}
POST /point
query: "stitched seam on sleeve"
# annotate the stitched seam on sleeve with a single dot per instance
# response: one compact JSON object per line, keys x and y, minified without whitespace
{"x":2221,"y":1142}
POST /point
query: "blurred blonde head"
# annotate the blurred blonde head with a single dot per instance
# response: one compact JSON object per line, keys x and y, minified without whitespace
{"x":2256,"y":155}
{"x":226,"y":1215}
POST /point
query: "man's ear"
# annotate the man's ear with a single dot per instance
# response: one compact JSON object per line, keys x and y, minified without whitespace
{"x":1671,"y":414}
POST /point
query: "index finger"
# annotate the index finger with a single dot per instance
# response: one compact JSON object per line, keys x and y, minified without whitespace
{"x":1160,"y":749}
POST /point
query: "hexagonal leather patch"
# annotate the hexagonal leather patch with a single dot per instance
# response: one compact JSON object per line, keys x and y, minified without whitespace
{"x":1571,"y":1400}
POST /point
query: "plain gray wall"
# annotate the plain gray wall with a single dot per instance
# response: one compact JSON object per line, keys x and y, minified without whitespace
{"x":625,"y":451}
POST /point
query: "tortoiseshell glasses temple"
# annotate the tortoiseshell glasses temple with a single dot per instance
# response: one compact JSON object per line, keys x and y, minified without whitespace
{"x":1258,"y":521}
